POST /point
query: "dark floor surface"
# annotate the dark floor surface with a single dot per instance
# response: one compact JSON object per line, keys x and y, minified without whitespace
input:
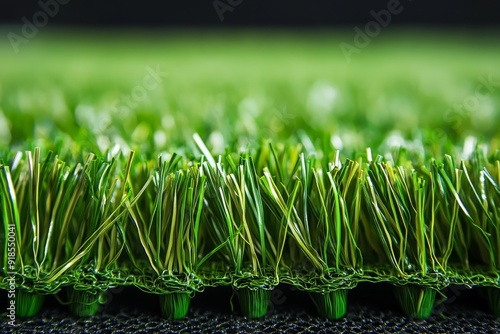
{"x":371,"y":308}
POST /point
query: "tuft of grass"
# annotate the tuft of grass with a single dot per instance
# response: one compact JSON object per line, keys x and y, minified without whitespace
{"x":331,"y":305}
{"x":493,"y":298}
{"x":83,"y":303}
{"x":243,"y":239}
{"x":254,"y":303}
{"x":415,"y":301}
{"x":28,"y":304}
{"x":174,"y":306}
{"x":166,"y":240}
{"x":66,"y":221}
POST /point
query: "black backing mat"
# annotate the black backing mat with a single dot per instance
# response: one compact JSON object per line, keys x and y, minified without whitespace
{"x":371,"y":308}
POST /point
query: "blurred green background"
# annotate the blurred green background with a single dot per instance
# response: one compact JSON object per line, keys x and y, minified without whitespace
{"x":235,"y":87}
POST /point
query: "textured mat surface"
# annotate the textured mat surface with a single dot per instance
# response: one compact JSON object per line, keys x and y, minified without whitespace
{"x":370,"y":310}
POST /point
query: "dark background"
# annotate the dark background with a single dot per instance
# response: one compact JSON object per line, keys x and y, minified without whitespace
{"x":371,"y":309}
{"x":313,"y":13}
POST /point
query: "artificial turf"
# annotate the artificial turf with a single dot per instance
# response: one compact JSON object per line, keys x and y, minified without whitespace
{"x":175,"y":161}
